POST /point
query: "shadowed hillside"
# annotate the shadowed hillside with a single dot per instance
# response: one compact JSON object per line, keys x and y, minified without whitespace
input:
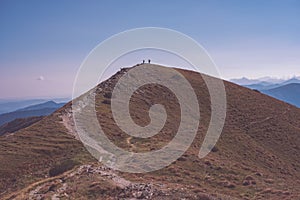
{"x":289,"y":93}
{"x":18,"y":124}
{"x":256,"y":157}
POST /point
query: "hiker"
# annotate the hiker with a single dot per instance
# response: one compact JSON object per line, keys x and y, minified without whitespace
{"x":149,"y":61}
{"x":143,"y":61}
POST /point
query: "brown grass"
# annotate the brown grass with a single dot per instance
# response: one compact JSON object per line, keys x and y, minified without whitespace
{"x":260,"y":140}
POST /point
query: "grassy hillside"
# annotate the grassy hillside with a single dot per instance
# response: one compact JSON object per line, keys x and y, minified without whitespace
{"x":256,"y":157}
{"x":18,"y":124}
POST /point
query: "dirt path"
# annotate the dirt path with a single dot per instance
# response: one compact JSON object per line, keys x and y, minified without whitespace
{"x":267,"y":118}
{"x":22,"y":193}
{"x":128,"y":140}
{"x":33,"y":190}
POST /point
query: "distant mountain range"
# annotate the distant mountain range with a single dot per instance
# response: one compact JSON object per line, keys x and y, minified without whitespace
{"x":42,"y":109}
{"x":10,"y":105}
{"x":285,"y":90}
{"x":264,"y":80}
{"x":289,"y":93}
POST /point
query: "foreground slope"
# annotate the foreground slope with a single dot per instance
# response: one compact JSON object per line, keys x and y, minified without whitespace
{"x":256,"y":157}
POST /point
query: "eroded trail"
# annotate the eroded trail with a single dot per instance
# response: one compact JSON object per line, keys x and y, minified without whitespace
{"x":103,"y":182}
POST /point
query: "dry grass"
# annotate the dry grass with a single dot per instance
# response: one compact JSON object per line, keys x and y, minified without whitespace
{"x":260,"y":140}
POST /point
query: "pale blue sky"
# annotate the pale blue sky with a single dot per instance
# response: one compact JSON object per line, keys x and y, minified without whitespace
{"x":52,"y":38}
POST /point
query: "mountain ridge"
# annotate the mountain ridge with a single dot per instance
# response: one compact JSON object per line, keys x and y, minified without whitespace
{"x":255,"y":157}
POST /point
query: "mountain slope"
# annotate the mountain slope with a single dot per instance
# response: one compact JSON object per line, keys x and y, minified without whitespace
{"x":18,"y":124}
{"x":256,"y":157}
{"x":289,"y":93}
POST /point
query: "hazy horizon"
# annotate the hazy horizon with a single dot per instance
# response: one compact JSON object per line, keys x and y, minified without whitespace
{"x":44,"y":43}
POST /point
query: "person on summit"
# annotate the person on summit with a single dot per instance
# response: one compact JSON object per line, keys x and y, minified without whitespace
{"x":149,"y":61}
{"x":143,"y":61}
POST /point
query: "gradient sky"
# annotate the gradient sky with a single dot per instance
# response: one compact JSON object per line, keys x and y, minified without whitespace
{"x":43,"y":43}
